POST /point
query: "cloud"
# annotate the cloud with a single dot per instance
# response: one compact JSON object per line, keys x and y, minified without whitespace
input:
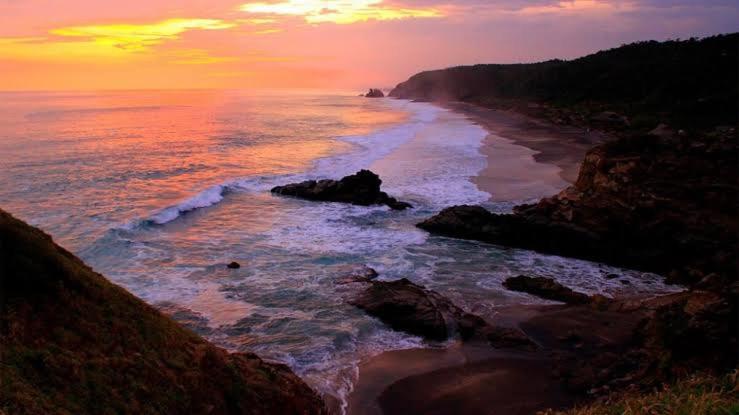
{"x":340,"y":11}
{"x":577,"y":7}
{"x":140,"y":36}
{"x":110,"y":41}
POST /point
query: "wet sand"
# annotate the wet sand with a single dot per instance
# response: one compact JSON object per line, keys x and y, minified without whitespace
{"x":478,"y":379}
{"x":527,"y":159}
{"x":560,"y":146}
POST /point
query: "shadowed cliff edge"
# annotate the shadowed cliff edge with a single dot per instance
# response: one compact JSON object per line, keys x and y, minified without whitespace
{"x":74,"y":343}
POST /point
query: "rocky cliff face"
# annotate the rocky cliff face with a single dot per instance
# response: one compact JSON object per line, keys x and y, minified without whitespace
{"x":664,"y":204}
{"x":74,"y":343}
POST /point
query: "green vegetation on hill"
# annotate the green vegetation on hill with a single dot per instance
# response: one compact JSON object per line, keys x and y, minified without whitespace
{"x":689,"y":84}
{"x":74,"y":343}
{"x":696,"y":395}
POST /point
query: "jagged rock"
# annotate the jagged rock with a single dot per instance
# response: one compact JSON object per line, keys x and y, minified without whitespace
{"x":666,"y":205}
{"x":362,"y":188}
{"x":374,"y":93}
{"x":546,"y":288}
{"x":676,"y":322}
{"x":234,"y":265}
{"x":474,"y":222}
{"x":408,"y":307}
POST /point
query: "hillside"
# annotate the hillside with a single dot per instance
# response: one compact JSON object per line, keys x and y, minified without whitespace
{"x":690,"y":84}
{"x":74,"y":343}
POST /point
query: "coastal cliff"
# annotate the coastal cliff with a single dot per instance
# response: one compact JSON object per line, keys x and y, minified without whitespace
{"x":659,"y":195}
{"x":661,"y":204}
{"x":686,"y":84}
{"x":72,"y":343}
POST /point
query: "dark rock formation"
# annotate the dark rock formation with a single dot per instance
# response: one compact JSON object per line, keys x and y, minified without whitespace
{"x":545,"y":288}
{"x":357,"y":274}
{"x":72,"y":342}
{"x":408,"y":307}
{"x":610,"y":120}
{"x":661,"y":204}
{"x":362,"y":188}
{"x":537,"y":233}
{"x":374,"y":93}
{"x":234,"y":265}
{"x":647,"y":341}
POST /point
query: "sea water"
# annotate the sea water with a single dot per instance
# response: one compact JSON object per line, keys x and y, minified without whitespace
{"x":159,"y":190}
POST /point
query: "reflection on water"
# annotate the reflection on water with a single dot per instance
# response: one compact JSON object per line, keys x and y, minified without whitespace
{"x":159,"y":191}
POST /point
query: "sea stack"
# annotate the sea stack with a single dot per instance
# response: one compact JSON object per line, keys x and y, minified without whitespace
{"x":374,"y":93}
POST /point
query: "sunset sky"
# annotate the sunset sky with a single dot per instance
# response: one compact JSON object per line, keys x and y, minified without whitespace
{"x":331,"y":44}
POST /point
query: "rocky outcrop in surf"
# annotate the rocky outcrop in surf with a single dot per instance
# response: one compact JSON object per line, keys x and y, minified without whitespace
{"x":408,"y":307}
{"x":546,"y":288}
{"x":362,"y":188}
{"x":374,"y":93}
{"x":663,"y":204}
{"x":72,"y":342}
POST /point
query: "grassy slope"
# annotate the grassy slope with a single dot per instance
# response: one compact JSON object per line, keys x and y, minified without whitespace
{"x":697,"y":395}
{"x":74,"y":343}
{"x":687,"y":84}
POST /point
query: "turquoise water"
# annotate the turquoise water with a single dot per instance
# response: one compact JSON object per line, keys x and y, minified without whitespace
{"x":160,"y":190}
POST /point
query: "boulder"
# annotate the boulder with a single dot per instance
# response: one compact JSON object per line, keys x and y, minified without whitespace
{"x":360,"y":273}
{"x":374,"y":93}
{"x":546,"y":288}
{"x":408,"y":307}
{"x":234,"y":265}
{"x":362,"y":188}
{"x":532,"y":232}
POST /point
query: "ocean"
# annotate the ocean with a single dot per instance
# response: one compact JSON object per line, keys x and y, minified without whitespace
{"x":159,"y":190}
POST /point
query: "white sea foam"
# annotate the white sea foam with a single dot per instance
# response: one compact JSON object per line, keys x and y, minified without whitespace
{"x":207,"y":197}
{"x":367,"y":149}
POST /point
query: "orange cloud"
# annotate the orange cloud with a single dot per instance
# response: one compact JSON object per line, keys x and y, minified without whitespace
{"x":339,"y":11}
{"x":140,"y":36}
{"x":106,"y":41}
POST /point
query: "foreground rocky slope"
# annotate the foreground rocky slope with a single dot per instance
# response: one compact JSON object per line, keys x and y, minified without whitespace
{"x":74,"y":343}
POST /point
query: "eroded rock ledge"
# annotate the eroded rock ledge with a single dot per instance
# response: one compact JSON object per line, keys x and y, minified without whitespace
{"x":546,"y":288}
{"x":362,"y":188}
{"x":664,"y":203}
{"x":408,"y":307}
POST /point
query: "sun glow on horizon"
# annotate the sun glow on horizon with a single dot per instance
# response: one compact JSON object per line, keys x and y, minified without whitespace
{"x":233,"y":44}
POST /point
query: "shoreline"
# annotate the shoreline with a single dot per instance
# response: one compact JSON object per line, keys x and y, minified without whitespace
{"x":475,"y":377}
{"x":557,"y":145}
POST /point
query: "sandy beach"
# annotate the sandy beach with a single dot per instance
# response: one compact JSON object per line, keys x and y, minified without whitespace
{"x":475,"y":378}
{"x":559,"y":146}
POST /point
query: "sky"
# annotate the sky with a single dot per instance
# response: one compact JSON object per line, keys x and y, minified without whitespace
{"x":317,"y":44}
